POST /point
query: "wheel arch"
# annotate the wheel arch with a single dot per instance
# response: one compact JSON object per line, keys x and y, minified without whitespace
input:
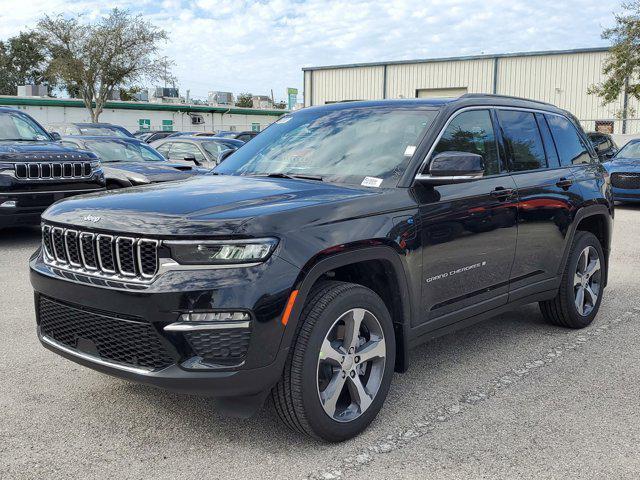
{"x":596,"y":219}
{"x":366,"y":266}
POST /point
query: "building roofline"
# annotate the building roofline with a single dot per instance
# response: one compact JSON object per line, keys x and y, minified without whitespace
{"x":463,"y":58}
{"x":10,"y":100}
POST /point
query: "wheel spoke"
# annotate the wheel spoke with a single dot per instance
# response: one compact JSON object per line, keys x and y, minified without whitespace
{"x":592,"y":296}
{"x":580,"y":300}
{"x":352,"y":328}
{"x":372,"y":349}
{"x":584,"y":260}
{"x":330,"y":395}
{"x":593,"y":267}
{"x":358,"y":393}
{"x":330,"y":353}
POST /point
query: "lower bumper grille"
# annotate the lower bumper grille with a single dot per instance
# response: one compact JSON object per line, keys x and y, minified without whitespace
{"x":120,"y":340}
{"x":222,"y":347}
{"x":625,"y":180}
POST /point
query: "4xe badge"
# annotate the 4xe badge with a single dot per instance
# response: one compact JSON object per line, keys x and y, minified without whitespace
{"x":91,"y":218}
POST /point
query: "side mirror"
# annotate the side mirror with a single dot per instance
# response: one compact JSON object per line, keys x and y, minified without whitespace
{"x":190,"y":158}
{"x":225,"y":154}
{"x":453,"y":167}
{"x":55,"y":136}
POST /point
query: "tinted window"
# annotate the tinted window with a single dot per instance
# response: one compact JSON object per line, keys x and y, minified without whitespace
{"x":472,"y":132}
{"x":549,"y":146}
{"x":522,"y":139}
{"x":570,"y":148}
{"x":180,"y":150}
{"x":14,"y":126}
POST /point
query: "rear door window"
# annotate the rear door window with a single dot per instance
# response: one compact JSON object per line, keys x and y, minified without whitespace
{"x":522,"y":140}
{"x":571,"y":149}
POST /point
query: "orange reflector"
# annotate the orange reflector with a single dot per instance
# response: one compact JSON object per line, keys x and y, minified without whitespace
{"x":287,"y":310}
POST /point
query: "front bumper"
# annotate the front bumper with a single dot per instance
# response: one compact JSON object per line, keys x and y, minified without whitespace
{"x":261,"y":290}
{"x":25,"y":208}
{"x":625,"y":195}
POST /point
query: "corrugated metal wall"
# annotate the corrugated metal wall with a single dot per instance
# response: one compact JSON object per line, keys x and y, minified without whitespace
{"x":561,"y":79}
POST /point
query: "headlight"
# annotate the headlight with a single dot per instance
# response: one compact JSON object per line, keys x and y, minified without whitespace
{"x":222,"y":252}
{"x":6,"y":166}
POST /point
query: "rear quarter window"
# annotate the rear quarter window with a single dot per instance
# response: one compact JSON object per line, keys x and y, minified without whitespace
{"x":571,"y":148}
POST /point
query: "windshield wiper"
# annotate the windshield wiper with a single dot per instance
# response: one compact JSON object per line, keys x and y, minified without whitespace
{"x":19,"y":140}
{"x":289,"y":175}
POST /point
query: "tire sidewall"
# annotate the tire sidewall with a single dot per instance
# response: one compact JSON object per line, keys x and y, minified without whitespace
{"x":319,"y":421}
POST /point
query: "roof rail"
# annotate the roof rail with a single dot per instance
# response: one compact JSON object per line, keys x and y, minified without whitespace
{"x":511,"y":97}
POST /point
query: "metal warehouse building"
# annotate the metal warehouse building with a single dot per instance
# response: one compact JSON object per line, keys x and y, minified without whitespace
{"x":558,"y":77}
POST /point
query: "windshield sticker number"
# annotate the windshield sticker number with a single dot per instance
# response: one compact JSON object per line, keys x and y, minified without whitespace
{"x":371,"y":182}
{"x":410,"y":150}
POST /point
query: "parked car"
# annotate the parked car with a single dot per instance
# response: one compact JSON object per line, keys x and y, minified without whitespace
{"x":36,"y":171}
{"x":604,"y":145}
{"x":106,"y":129}
{"x":152,"y":136}
{"x":244,"y":136}
{"x":624,"y":170}
{"x":129,"y":161}
{"x":309,"y":262}
{"x":193,"y":134}
{"x":204,"y":151}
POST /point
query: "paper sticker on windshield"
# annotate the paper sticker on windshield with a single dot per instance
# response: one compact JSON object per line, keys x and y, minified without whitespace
{"x":371,"y":182}
{"x":410,"y":150}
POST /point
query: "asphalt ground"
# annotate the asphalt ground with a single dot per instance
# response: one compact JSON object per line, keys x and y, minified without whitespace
{"x":511,"y":397}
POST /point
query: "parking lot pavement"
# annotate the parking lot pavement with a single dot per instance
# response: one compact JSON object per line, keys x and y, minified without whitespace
{"x":512,"y":397}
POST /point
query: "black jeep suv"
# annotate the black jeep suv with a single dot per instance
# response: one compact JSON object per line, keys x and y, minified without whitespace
{"x":308,"y":263}
{"x":35,"y":171}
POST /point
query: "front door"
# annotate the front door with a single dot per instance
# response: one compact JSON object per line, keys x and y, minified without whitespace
{"x":468,"y":230}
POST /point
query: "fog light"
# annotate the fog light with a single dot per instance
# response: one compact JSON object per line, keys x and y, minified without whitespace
{"x":9,"y":204}
{"x":214,"y":317}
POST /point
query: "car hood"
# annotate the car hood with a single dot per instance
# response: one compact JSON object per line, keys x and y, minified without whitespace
{"x":154,"y":172}
{"x":213,"y":205}
{"x":622,"y":163}
{"x":17,"y":151}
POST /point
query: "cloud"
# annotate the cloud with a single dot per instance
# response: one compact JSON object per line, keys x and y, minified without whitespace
{"x":256,"y":46}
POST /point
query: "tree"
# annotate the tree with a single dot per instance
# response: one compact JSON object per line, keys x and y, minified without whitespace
{"x":23,"y":61}
{"x":117,"y":51}
{"x":622,"y":66}
{"x":244,"y":100}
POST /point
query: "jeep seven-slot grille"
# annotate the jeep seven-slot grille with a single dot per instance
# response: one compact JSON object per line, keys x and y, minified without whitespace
{"x":626,"y":180}
{"x":123,"y":340}
{"x":102,"y":254}
{"x":52,"y":171}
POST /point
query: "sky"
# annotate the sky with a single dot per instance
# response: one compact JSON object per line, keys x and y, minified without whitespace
{"x":259,"y":45}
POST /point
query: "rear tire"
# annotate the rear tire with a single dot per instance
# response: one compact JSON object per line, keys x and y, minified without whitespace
{"x":582,"y":285}
{"x":335,"y":381}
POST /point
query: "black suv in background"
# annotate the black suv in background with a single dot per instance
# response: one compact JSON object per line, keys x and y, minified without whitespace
{"x":308,"y":263}
{"x":35,"y":171}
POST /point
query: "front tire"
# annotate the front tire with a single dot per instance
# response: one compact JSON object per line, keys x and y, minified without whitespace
{"x":339,"y":369}
{"x":582,"y":285}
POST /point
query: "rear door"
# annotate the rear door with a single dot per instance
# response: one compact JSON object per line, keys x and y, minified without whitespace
{"x":468,"y":230}
{"x":548,"y":196}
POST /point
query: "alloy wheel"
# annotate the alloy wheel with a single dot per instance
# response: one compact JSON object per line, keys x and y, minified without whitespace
{"x":587,"y":281}
{"x":351,"y":365}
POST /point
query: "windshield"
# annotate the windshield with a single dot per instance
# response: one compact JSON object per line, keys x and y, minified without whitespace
{"x":630,"y":150}
{"x":342,"y":145}
{"x":14,"y":126}
{"x":104,"y":131}
{"x":117,"y":151}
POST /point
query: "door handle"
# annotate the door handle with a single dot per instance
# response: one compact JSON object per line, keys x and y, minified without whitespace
{"x":564,"y":183}
{"x":502,"y":193}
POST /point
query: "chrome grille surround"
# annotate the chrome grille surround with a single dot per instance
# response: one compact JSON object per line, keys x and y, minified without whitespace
{"x":110,"y":257}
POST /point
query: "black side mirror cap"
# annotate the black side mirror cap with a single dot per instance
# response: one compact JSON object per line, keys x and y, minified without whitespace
{"x":225,"y":154}
{"x":55,"y":136}
{"x":453,"y":167}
